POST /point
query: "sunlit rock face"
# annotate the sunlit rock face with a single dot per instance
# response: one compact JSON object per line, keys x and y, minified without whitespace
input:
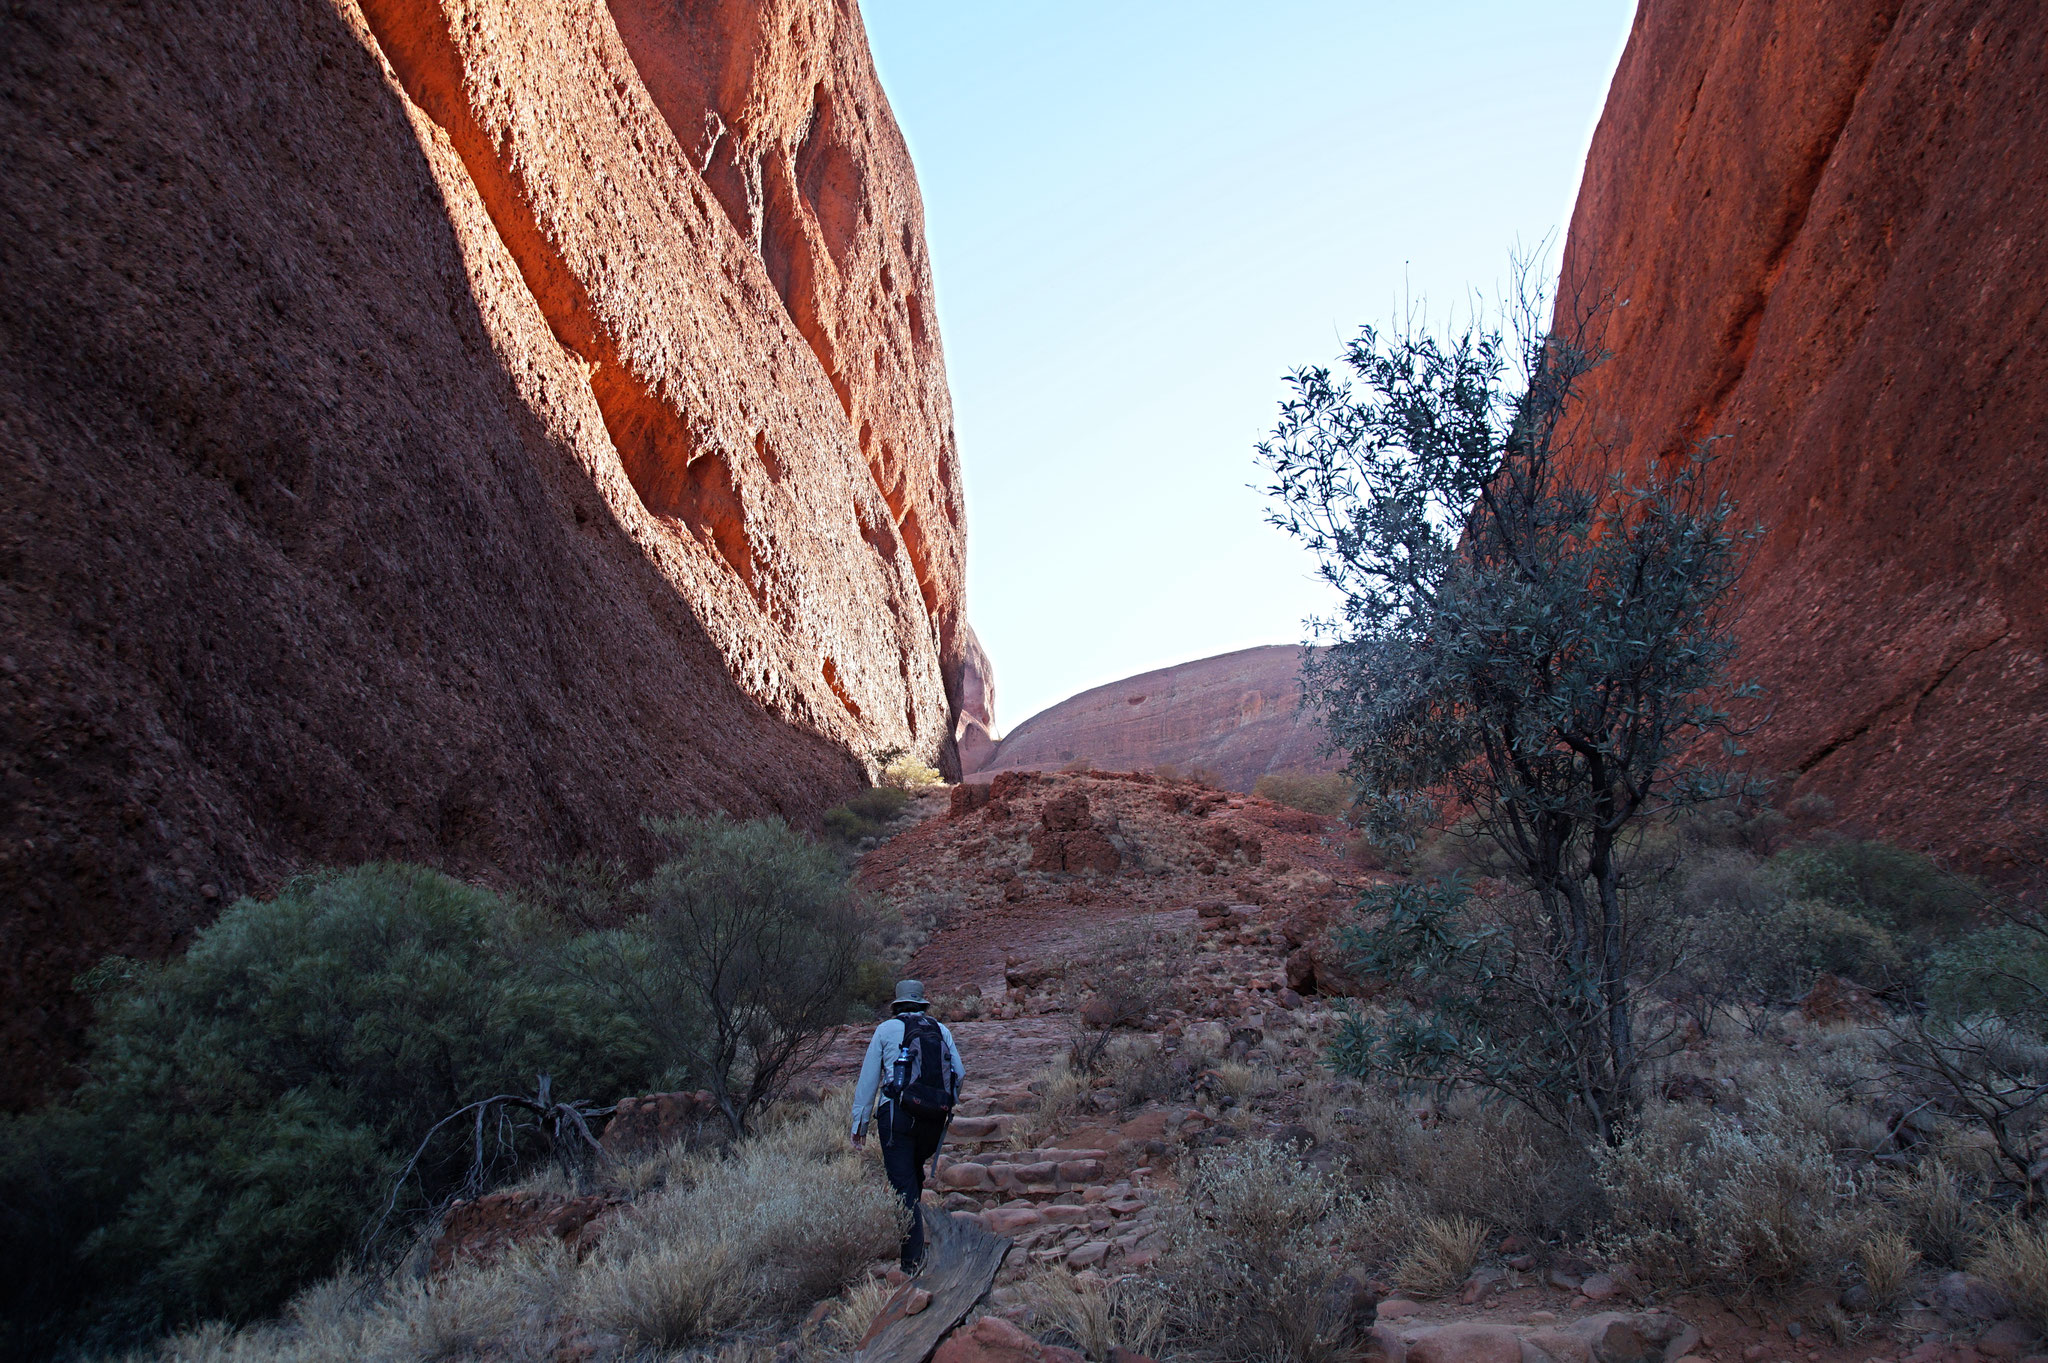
{"x":446,"y":431}
{"x":1237,"y":716}
{"x":1825,"y":228}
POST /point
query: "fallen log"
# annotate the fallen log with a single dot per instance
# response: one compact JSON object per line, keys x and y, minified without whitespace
{"x":960,"y":1264}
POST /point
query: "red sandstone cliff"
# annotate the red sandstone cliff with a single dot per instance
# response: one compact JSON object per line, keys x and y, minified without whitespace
{"x":1828,"y":222}
{"x":446,"y":431}
{"x":1237,"y":714}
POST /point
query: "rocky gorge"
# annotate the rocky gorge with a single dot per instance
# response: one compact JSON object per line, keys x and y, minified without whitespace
{"x":448,"y":432}
{"x":455,"y":431}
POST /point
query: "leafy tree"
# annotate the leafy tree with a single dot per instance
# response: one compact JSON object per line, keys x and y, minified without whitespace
{"x":749,"y":945}
{"x":1524,"y":637}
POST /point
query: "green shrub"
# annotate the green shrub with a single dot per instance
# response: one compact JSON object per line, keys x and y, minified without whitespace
{"x":1706,"y":1200}
{"x":1256,"y":1264}
{"x":2002,"y":969}
{"x":866,"y":815}
{"x":1818,"y":937}
{"x":1327,"y":793}
{"x":252,"y":1100}
{"x":874,"y":984}
{"x":909,"y":774}
{"x":1742,"y":940}
{"x":1899,"y":890}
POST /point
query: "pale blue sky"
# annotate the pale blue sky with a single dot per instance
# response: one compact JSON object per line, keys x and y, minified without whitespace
{"x":1141,"y":215}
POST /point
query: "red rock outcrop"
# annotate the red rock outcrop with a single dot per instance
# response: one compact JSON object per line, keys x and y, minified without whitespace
{"x":975,"y":707}
{"x":1827,"y":228}
{"x":483,"y":1230}
{"x":1237,"y":715}
{"x":448,"y":432}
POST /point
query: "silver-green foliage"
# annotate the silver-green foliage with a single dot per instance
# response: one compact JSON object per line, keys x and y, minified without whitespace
{"x":1523,"y":635}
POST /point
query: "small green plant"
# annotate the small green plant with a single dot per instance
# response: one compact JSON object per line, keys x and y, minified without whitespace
{"x":909,"y":774}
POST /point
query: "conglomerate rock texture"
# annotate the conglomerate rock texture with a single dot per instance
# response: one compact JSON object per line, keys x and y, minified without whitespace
{"x":449,"y":431}
{"x":1237,"y":716}
{"x":1824,"y":224}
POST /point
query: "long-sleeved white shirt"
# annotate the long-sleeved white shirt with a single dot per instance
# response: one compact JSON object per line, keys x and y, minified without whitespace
{"x":883,"y":1049}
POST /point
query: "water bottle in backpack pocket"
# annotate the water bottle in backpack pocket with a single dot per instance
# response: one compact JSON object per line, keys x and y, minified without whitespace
{"x":919,"y":1086}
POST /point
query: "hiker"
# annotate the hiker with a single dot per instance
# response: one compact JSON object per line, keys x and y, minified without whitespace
{"x":914,"y":1070}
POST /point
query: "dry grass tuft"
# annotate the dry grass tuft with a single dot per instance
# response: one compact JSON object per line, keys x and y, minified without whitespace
{"x":1062,"y":1095}
{"x":714,"y":1240}
{"x":667,"y":1294}
{"x":1257,"y":1264}
{"x":1939,"y":1217}
{"x":2014,"y":1259}
{"x":1242,"y":1081}
{"x":848,"y":1320}
{"x":1888,"y":1262}
{"x":1442,"y":1255}
{"x":1097,"y":1316}
{"x":770,"y":1227}
{"x":1140,"y":1072}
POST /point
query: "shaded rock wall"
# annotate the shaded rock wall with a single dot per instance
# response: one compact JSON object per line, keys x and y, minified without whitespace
{"x":410,"y":447}
{"x":1237,"y":714}
{"x":1828,"y":229}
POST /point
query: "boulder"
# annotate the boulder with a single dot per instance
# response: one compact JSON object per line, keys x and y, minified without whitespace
{"x":2008,"y":1339}
{"x":1834,"y":999}
{"x":1967,"y":1298}
{"x":1010,"y":1220}
{"x":1636,"y":1337}
{"x":1088,"y":1255}
{"x":1081,"y":852}
{"x":1467,"y":1342}
{"x":655,"y":1120}
{"x":992,"y":1339}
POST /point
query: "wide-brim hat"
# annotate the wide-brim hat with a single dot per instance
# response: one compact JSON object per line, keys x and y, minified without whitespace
{"x":910,"y":991}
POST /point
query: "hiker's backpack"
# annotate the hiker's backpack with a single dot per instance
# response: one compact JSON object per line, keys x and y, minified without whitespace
{"x":920,"y":1085}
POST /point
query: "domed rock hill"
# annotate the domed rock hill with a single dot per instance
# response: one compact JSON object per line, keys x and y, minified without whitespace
{"x":1826,"y":228}
{"x":1237,"y":715}
{"x":449,"y":432}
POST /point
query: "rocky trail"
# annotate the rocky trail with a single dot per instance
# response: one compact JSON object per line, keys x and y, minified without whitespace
{"x":1023,"y":894}
{"x":1048,"y":914}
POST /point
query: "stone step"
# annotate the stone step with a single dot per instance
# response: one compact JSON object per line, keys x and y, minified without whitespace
{"x":1017,"y":1175}
{"x":993,"y":1127}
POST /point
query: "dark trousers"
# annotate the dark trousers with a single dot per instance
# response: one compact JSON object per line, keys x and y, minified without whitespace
{"x":907,"y":1147}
